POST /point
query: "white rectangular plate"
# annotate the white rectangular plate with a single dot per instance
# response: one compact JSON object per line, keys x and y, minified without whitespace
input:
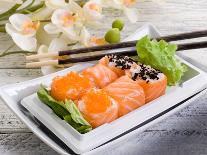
{"x":194,"y":81}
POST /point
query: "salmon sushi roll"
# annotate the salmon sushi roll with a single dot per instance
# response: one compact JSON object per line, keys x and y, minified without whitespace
{"x":151,"y":80}
{"x":128,"y":94}
{"x":117,"y":63}
{"x":100,"y":75}
{"x":71,"y":86}
{"x":98,"y":108}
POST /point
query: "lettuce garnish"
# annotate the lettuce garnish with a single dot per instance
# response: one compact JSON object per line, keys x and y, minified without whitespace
{"x":161,"y":55}
{"x":67,"y":110}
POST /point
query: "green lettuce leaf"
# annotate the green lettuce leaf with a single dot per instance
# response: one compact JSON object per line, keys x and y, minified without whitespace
{"x":161,"y":55}
{"x":75,"y":113}
{"x":56,"y":106}
{"x":67,"y":111}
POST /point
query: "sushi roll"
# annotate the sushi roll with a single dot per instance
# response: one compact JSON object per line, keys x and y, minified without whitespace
{"x":151,"y":80}
{"x":98,"y":108}
{"x":128,"y":94}
{"x":100,"y":75}
{"x":71,"y":86}
{"x":117,"y":63}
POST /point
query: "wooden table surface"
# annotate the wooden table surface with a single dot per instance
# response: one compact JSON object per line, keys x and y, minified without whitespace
{"x":185,"y":132}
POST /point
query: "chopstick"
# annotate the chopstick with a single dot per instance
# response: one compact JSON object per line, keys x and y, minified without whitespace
{"x":174,"y":37}
{"x":133,"y":52}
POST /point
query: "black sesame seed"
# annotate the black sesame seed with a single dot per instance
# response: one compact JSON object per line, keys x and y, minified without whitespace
{"x":122,"y":62}
{"x":146,"y":73}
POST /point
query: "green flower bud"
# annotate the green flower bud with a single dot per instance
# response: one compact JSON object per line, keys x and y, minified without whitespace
{"x":118,"y":24}
{"x":112,"y":36}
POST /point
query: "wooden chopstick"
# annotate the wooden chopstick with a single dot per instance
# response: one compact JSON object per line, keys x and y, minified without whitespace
{"x":174,"y":37}
{"x":133,"y":52}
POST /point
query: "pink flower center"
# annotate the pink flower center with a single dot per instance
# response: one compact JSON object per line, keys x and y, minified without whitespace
{"x":129,"y":2}
{"x":95,"y":7}
{"x":29,"y":27}
{"x":68,"y":19}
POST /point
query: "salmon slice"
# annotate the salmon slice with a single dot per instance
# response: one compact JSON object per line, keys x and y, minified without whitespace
{"x":100,"y":75}
{"x":71,"y":86}
{"x":98,"y":108}
{"x":152,"y":81}
{"x":117,"y":63}
{"x":105,"y":61}
{"x":128,"y":94}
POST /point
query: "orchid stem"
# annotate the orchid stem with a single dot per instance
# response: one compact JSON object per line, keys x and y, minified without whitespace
{"x":36,"y":7}
{"x":9,"y":12}
{"x":27,"y":7}
{"x":26,"y":10}
{"x":71,"y":44}
{"x":44,"y":21}
{"x":2,"y":29}
{"x":15,"y":52}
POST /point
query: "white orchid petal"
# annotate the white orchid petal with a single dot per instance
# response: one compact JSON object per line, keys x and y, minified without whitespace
{"x":5,"y":5}
{"x":91,"y":14}
{"x":42,"y":14}
{"x":51,"y":29}
{"x":42,"y":50}
{"x":85,"y":37}
{"x":10,"y":29}
{"x":56,"y":16}
{"x":17,"y":21}
{"x":25,"y":43}
{"x":74,"y":7}
{"x":18,"y":1}
{"x":57,"y":44}
{"x":55,"y":4}
{"x":131,"y":14}
{"x":45,"y":69}
{"x":44,"y":37}
{"x":70,"y":33}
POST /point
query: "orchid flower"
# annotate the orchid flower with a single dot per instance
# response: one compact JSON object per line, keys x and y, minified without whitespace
{"x":51,"y":5}
{"x":92,"y":11}
{"x":56,"y":45}
{"x":23,"y":31}
{"x":66,"y":22}
{"x":56,"y":4}
{"x":88,"y":40}
{"x":90,"y":14}
{"x":125,"y":5}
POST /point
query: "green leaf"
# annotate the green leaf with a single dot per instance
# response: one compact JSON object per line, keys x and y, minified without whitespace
{"x":67,"y":111}
{"x":79,"y":127}
{"x":36,"y":7}
{"x":9,"y":12}
{"x":30,"y":8}
{"x":26,"y":7}
{"x":75,"y":113}
{"x":161,"y":55}
{"x":2,"y":28}
{"x":56,"y":106}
